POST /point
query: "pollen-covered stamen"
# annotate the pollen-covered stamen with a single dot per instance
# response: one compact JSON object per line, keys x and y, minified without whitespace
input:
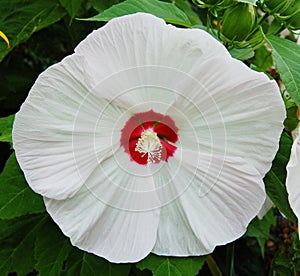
{"x":149,"y":144}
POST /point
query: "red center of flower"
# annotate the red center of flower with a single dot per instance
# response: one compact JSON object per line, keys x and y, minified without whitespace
{"x":147,"y":137}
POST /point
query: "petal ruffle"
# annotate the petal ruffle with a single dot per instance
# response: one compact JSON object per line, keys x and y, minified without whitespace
{"x":232,"y":110}
{"x":222,"y":197}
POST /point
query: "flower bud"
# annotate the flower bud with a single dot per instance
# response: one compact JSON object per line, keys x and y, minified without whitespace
{"x":238,"y":22}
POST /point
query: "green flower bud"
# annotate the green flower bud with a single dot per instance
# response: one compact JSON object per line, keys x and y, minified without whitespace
{"x":238,"y":22}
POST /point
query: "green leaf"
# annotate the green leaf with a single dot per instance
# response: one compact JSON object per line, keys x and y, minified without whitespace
{"x":21,"y":18}
{"x":82,"y":263}
{"x":17,"y":238}
{"x":6,"y":128}
{"x":242,"y":54}
{"x":51,"y":249}
{"x":282,"y":265}
{"x":275,"y":178}
{"x":72,"y":6}
{"x":286,"y":55}
{"x":16,"y":198}
{"x":186,"y":7}
{"x":100,"y":6}
{"x":172,"y":266}
{"x":291,"y":121}
{"x":262,"y":59}
{"x":167,"y":11}
{"x":260,"y":229}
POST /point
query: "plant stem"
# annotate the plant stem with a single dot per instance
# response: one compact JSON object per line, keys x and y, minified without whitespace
{"x":213,"y":267}
{"x":230,"y":260}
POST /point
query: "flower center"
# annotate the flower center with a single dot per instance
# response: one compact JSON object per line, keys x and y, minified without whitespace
{"x":148,"y":137}
{"x":149,"y":144}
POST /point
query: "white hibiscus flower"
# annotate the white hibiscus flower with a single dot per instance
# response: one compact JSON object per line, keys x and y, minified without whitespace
{"x":293,"y":176}
{"x":149,"y":138}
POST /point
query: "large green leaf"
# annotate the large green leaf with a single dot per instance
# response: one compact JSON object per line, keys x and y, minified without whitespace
{"x":188,"y":9}
{"x":35,"y":242}
{"x":100,"y":6}
{"x":167,"y":11}
{"x":51,"y":249}
{"x":172,"y":266}
{"x":71,"y":6}
{"x":275,"y":178}
{"x":286,"y":55}
{"x":6,"y":128}
{"x":260,"y":229}
{"x":21,"y":18}
{"x":262,"y":59}
{"x":16,"y":198}
{"x":17,"y":238}
{"x":82,"y":263}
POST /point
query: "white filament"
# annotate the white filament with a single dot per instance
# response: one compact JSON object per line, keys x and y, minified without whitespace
{"x":149,"y":144}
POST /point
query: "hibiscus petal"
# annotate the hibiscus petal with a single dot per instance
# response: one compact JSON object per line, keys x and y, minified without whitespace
{"x":117,"y":235}
{"x":146,"y":40}
{"x":293,"y":177}
{"x":222,"y":197}
{"x":56,"y":134}
{"x":268,"y":204}
{"x":124,"y":184}
{"x":115,"y":214}
{"x":239,"y":112}
{"x":150,"y":61}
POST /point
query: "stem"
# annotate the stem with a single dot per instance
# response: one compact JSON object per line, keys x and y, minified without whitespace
{"x":230,"y":260}
{"x":250,"y":50}
{"x":213,"y":267}
{"x":262,"y":18}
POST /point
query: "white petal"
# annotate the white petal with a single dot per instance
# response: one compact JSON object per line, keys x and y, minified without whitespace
{"x":233,"y":110}
{"x":113,"y":215}
{"x":139,"y":89}
{"x":56,"y":133}
{"x":143,"y":57}
{"x":293,"y":177}
{"x":117,"y":235}
{"x":124,"y":184}
{"x":224,"y":195}
{"x":268,"y":204}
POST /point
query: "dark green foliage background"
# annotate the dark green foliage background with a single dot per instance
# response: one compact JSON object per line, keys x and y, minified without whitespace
{"x":41,"y":33}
